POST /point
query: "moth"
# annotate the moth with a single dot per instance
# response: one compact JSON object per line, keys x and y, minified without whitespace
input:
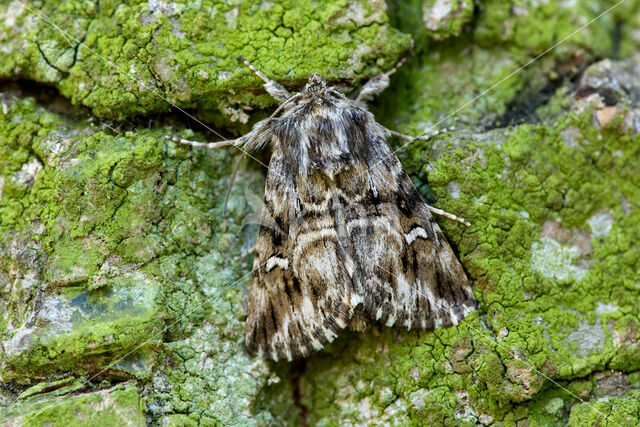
{"x":345,"y":238}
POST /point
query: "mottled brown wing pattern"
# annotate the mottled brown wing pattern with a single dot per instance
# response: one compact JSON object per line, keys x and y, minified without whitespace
{"x":343,"y":227}
{"x":408,"y":275}
{"x":357,"y":237}
{"x":301,"y":294}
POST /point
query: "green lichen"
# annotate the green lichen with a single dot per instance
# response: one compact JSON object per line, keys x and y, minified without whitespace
{"x":123,"y":60}
{"x":118,"y":238}
{"x":481,"y":62}
{"x":619,"y":410}
{"x":120,"y":405}
{"x":431,"y":21}
{"x":59,"y":212}
{"x":118,"y":260}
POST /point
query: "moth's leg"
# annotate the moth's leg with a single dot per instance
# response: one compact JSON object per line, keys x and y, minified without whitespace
{"x":219,"y":144}
{"x":274,"y":89}
{"x":449,"y":215}
{"x":377,"y":84}
{"x":419,"y":137}
{"x":251,"y":251}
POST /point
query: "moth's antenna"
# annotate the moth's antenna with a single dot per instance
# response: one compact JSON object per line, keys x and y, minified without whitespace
{"x":274,"y":88}
{"x":275,"y":113}
{"x":338,"y":94}
{"x":253,"y":69}
{"x":396,"y":67}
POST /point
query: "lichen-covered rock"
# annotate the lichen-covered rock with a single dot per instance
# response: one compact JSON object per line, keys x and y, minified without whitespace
{"x":126,"y":59}
{"x":119,"y":265}
{"x":116,"y":406}
{"x":484,"y":72}
{"x":117,"y":262}
{"x":619,"y":410}
{"x":431,"y":20}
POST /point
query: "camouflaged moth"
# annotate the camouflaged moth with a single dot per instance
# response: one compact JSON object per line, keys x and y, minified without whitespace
{"x":345,"y":238}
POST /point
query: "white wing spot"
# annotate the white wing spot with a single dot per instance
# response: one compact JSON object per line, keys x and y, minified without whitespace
{"x":274,"y":261}
{"x":414,"y":234}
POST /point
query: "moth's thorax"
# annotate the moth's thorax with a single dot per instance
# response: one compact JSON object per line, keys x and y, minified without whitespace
{"x":324,"y":133}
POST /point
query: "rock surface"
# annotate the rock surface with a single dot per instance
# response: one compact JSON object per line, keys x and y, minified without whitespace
{"x":123,"y":60}
{"x":123,"y":284}
{"x":115,"y":406}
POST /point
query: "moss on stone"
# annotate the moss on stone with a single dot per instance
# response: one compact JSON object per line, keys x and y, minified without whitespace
{"x":114,"y":243}
{"x":120,"y":405}
{"x":123,"y":60}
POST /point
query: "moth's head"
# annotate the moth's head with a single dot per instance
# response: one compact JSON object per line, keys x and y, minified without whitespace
{"x":319,"y":92}
{"x":316,"y":85}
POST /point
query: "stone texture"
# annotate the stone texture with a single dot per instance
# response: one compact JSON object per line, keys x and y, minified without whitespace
{"x":116,"y":406}
{"x":121,"y":276}
{"x":128,"y":59}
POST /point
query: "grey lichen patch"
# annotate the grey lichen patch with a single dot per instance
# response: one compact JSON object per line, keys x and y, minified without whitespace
{"x":601,"y":224}
{"x":556,"y":261}
{"x":586,"y":339}
{"x":123,"y":60}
